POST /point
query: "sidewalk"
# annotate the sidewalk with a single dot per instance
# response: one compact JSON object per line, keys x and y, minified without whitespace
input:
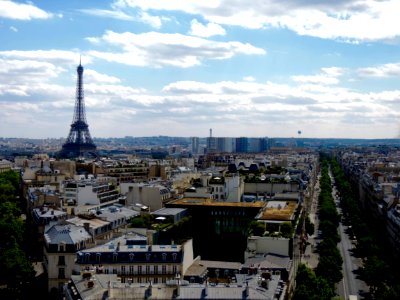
{"x":311,"y":257}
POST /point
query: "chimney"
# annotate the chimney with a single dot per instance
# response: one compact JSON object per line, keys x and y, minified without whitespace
{"x":206,"y":289}
{"x":246,"y":292}
{"x":110,"y":290}
{"x":86,"y":225}
{"x":178,"y":286}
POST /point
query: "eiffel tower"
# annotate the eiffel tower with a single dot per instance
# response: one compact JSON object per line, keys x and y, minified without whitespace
{"x":79,"y":143}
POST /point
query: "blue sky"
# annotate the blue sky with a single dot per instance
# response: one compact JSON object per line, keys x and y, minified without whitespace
{"x":179,"y":68}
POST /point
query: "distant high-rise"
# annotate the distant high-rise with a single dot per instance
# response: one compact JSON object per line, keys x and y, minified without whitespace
{"x":195,"y":145}
{"x":79,"y":142}
{"x":242,"y":145}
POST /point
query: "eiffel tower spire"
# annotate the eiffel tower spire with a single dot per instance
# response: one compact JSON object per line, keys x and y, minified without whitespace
{"x":79,"y":142}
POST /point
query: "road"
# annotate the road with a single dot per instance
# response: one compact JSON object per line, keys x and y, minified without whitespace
{"x":350,"y":284}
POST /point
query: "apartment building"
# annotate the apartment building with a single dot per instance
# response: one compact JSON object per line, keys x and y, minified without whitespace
{"x":61,"y":242}
{"x":152,"y":195}
{"x":135,"y":261}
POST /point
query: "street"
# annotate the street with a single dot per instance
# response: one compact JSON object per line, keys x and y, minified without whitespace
{"x":350,"y":284}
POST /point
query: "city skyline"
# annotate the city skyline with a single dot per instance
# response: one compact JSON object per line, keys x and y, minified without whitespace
{"x":328,"y":70}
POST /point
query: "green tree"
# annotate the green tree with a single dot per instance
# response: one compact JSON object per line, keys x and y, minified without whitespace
{"x":6,"y":188}
{"x":16,"y":271}
{"x":311,"y":287}
{"x":287,"y":229}
{"x":11,"y":177}
{"x":138,"y":222}
{"x":256,"y":228}
{"x":374,"y":272}
{"x":11,"y":225}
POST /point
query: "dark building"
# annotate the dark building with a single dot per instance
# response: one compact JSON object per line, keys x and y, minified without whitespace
{"x":220,"y":227}
{"x":242,"y":145}
{"x":79,"y":142}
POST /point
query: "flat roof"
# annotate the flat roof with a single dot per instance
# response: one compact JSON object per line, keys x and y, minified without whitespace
{"x":121,"y":242}
{"x":210,"y":202}
{"x":93,"y":223}
{"x":165,"y":211}
{"x":220,"y":264}
{"x":278,"y":212}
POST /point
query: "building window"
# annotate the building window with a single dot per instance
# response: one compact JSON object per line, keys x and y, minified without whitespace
{"x":98,"y":256}
{"x":61,"y":273}
{"x":164,"y":256}
{"x":164,"y":269}
{"x":115,"y":271}
{"x":61,"y":247}
{"x":131,"y":256}
{"x":147,"y":269}
{"x":174,"y":269}
{"x":131,"y":270}
{"x":174,"y":256}
{"x":123,"y":270}
{"x":61,"y":260}
{"x":115,"y":257}
{"x":87,"y":257}
{"x":148,"y":255}
{"x":139,"y":270}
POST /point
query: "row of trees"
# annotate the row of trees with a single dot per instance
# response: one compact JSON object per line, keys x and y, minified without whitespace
{"x":16,"y":271}
{"x":321,"y":283}
{"x":379,"y":272}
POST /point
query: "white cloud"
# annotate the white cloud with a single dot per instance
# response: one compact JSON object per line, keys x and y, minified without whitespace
{"x":35,"y":70}
{"x":30,"y":83}
{"x":163,"y":49}
{"x":315,"y":79}
{"x":333,"y":71}
{"x":249,"y":78}
{"x":328,"y":76}
{"x":94,"y":76}
{"x":21,"y":11}
{"x":211,"y":29}
{"x":153,"y":21}
{"x":54,"y":56}
{"x":386,"y":70}
{"x":12,"y":28}
{"x":352,"y":21}
{"x":115,"y":14}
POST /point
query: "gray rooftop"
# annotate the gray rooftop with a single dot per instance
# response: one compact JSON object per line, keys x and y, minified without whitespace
{"x":168,"y":211}
{"x":269,"y":261}
{"x":130,"y":291}
{"x":69,"y":234}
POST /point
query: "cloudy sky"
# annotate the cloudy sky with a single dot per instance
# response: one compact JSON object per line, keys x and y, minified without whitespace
{"x":243,"y":68}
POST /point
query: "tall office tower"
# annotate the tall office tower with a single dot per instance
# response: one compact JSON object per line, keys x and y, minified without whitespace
{"x":195,"y":145}
{"x":211,"y":143}
{"x":79,"y":142}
